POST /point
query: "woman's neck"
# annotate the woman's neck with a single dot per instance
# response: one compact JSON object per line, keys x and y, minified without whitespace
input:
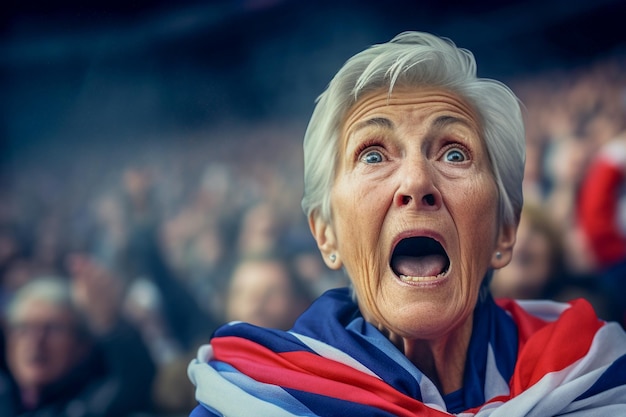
{"x":442,"y":360}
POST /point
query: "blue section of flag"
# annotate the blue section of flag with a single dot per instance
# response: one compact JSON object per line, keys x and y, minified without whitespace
{"x":614,"y":376}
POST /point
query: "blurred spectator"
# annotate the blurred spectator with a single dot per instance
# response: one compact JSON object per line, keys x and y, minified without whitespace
{"x":602,"y":218}
{"x":69,"y":353}
{"x":265,"y":291}
{"x":163,"y":294}
{"x":260,"y":230}
{"x":537,"y":264}
{"x":538,"y":269}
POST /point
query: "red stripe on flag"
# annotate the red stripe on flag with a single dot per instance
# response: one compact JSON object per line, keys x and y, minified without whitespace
{"x":552,"y":346}
{"x":312,"y":373}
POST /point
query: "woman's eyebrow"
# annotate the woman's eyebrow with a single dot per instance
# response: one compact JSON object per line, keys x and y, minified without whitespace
{"x":375,"y":121}
{"x":442,"y":122}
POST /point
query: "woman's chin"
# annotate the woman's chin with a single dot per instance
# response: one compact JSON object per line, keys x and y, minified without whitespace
{"x":422,"y":310}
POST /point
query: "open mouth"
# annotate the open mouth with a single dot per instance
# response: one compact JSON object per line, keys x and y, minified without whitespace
{"x":416,"y":258}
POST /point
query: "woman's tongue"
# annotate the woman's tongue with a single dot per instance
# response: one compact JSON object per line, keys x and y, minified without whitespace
{"x":419,"y":266}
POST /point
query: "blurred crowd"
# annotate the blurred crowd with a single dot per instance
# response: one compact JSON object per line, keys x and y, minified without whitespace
{"x":116,"y":263}
{"x":571,"y":241}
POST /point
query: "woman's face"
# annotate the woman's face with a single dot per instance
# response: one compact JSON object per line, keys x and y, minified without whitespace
{"x":414,"y":211}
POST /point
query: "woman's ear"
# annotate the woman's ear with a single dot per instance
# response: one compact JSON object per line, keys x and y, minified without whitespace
{"x":326,"y":241}
{"x":504,"y":247}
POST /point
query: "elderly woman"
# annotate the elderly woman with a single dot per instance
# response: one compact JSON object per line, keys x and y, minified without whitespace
{"x":413,"y":185}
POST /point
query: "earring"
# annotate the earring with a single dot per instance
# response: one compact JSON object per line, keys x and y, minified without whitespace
{"x":498,"y":255}
{"x":333,"y":257}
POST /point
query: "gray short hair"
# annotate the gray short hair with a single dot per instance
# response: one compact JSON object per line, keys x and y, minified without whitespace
{"x":414,"y":59}
{"x":49,"y":289}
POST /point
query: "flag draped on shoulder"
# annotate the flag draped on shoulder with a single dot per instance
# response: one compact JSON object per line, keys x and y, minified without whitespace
{"x":533,"y":358}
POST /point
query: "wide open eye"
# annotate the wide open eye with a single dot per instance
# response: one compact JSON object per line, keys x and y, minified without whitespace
{"x":372,"y":157}
{"x":455,"y":155}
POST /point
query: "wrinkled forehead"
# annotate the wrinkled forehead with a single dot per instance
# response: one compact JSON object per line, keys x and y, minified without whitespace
{"x":410,"y":98}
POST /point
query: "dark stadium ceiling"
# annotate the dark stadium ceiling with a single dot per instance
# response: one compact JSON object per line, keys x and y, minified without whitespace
{"x":525,"y":34}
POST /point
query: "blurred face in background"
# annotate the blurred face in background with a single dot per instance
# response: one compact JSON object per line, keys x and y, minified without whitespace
{"x":43,"y":344}
{"x":531,"y":267}
{"x":261,"y":293}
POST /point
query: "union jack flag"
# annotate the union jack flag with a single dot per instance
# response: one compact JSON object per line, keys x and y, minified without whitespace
{"x":525,"y":358}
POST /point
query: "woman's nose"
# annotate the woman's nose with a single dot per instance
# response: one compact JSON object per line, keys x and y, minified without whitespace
{"x":417,"y":187}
